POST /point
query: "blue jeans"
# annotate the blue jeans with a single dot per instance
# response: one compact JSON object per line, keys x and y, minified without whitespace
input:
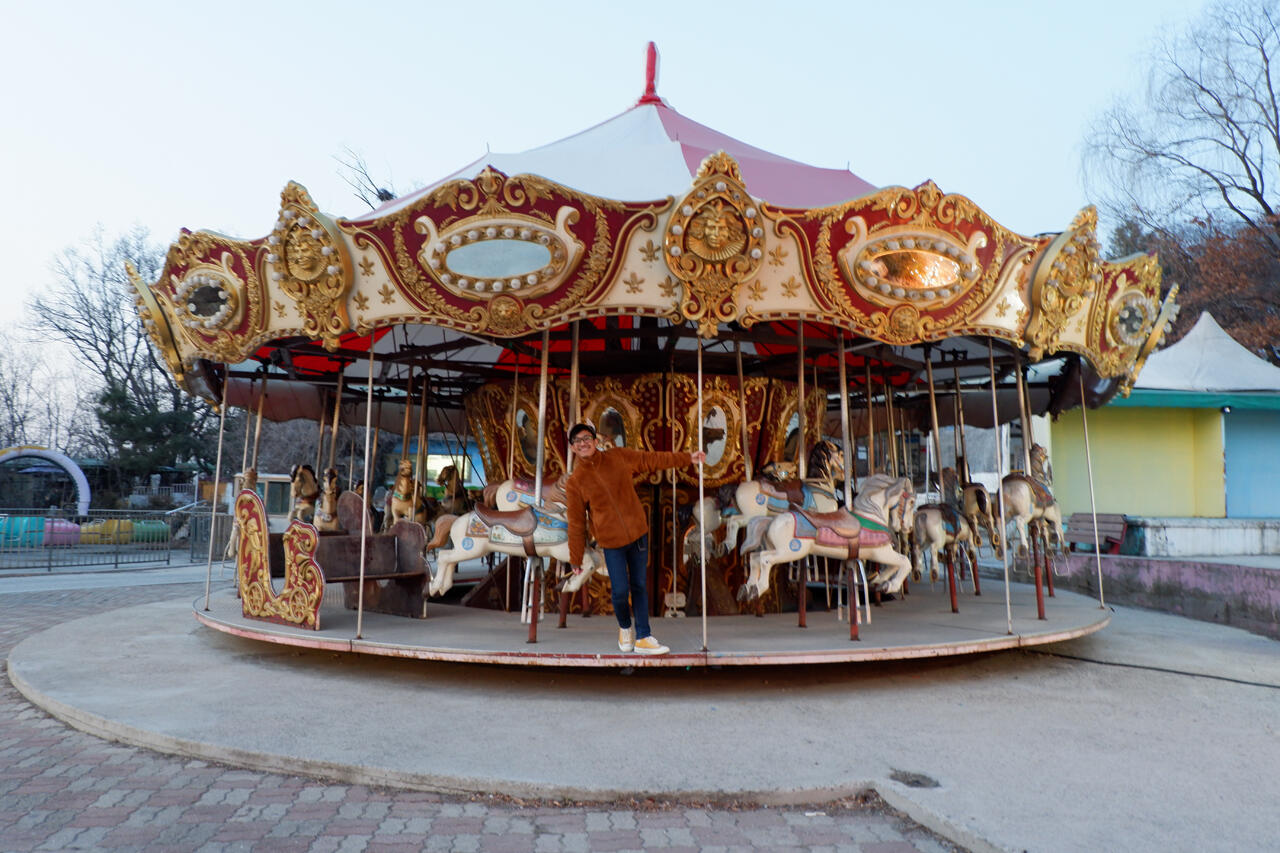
{"x":629,"y":578}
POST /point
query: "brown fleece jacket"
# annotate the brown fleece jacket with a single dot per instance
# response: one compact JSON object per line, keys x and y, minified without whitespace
{"x":605,"y":484}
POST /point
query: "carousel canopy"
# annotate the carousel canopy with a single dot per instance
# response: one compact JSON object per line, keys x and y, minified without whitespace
{"x":643,"y":244}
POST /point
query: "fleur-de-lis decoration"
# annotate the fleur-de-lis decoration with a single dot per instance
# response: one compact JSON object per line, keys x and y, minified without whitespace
{"x":650,"y":251}
{"x":791,"y":288}
{"x":362,"y":301}
{"x":279,"y":308}
{"x":366,"y":266}
{"x":667,"y":286}
{"x":633,"y":283}
{"x":776,"y":255}
{"x":756,"y":290}
{"x":387,"y":293}
{"x":1002,"y":307}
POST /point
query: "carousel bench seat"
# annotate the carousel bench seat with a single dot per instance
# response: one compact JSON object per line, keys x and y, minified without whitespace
{"x":1111,"y":530}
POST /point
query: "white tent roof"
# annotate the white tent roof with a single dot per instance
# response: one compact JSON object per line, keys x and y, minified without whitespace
{"x":1208,"y":359}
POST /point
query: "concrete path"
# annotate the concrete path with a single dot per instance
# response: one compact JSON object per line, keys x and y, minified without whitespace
{"x":62,"y":789}
{"x":1157,"y":733}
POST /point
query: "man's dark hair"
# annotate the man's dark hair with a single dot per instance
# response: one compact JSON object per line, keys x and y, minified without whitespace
{"x":578,"y":428}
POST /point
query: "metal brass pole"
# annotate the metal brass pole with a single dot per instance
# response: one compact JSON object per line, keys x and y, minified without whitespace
{"x":575,"y":404}
{"x":512,"y":437}
{"x":801,"y":467}
{"x":257,"y":429}
{"x":320,"y":425}
{"x":1024,"y":416}
{"x":408,"y":406}
{"x":535,"y":563}
{"x":702,"y":515}
{"x":742,"y":408}
{"x":849,"y":455}
{"x":1093,"y":501}
{"x":213,"y":500}
{"x":871,"y":425}
{"x":420,"y":458}
{"x":364,"y":516}
{"x":333,"y":431}
{"x":937,"y":446}
{"x":995,"y":420}
{"x":962,"y":451}
{"x":891,"y":435}
{"x":244,"y":455}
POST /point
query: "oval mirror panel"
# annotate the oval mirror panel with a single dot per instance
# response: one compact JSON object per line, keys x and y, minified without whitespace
{"x":498,"y":258}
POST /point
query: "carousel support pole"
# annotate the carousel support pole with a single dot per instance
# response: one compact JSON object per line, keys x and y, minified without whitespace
{"x":512,"y":438}
{"x":257,"y":427}
{"x":702,"y":513}
{"x":871,"y":425}
{"x":1093,"y":501}
{"x":535,"y":563}
{"x":1004,"y":546}
{"x":575,"y":416}
{"x":244,"y":454}
{"x":364,"y":499}
{"x":408,"y":406}
{"x":420,"y":458}
{"x":333,"y":431}
{"x":850,"y":458}
{"x":892,"y":434}
{"x":800,"y":407}
{"x":937,"y":448}
{"x":742,"y":407}
{"x":1027,"y":439}
{"x":324,"y":405}
{"x":213,"y":501}
{"x":962,"y":469}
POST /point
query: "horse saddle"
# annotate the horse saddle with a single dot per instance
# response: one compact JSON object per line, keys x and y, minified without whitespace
{"x":1039,"y":491}
{"x":791,"y":491}
{"x":949,"y":515}
{"x":523,"y":524}
{"x":840,"y":522}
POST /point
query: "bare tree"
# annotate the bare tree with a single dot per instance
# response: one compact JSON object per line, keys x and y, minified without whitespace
{"x":355,"y":171}
{"x":1203,"y":142}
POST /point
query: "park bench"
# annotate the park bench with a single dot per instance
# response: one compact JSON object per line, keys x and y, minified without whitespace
{"x":1111,"y":530}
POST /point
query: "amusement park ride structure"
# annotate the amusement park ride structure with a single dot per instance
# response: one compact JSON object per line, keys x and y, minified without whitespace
{"x":674,"y":286}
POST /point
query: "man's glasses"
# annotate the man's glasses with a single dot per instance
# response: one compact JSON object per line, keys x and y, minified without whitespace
{"x":582,"y":441}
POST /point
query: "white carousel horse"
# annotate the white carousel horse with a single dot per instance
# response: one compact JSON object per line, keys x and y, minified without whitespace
{"x":454,"y":501}
{"x":517,"y":493}
{"x":304,"y":490}
{"x":520,"y":533}
{"x":975,"y":504}
{"x":939,"y":529}
{"x":742,"y":502}
{"x":867,"y":533}
{"x":1028,"y":500}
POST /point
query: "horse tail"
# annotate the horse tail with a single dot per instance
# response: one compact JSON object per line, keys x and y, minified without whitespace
{"x":983,"y":501}
{"x":440,"y":532}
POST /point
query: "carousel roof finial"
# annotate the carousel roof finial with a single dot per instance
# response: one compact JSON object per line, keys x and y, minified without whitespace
{"x":650,"y":95}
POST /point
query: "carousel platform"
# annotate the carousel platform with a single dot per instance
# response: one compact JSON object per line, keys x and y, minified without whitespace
{"x":919,"y":625}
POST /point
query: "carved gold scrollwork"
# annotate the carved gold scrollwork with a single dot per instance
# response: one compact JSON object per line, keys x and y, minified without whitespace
{"x":1067,"y":276}
{"x":156,"y":322}
{"x":299,"y":601}
{"x":310,"y":264}
{"x":1154,"y":337}
{"x":714,"y":243}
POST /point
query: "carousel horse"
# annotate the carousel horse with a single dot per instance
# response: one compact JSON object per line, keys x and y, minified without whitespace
{"x":519,"y":533}
{"x":762,"y":497}
{"x":405,"y":501}
{"x":304,"y":490}
{"x":867,"y":533}
{"x":517,"y":493}
{"x":975,"y":504}
{"x":941,"y":529}
{"x":454,"y":501}
{"x":1028,"y":500}
{"x":326,"y":514}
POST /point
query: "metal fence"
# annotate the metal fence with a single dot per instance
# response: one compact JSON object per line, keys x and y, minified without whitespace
{"x":198,"y":540}
{"x":50,"y":539}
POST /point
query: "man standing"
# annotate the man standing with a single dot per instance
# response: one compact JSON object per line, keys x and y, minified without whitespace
{"x":604,"y":483}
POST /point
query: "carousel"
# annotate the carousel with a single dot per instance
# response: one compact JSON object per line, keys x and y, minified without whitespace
{"x":679,"y":290}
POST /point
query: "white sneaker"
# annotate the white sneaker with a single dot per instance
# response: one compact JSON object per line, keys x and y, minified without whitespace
{"x":650,"y":646}
{"x":626,"y":639}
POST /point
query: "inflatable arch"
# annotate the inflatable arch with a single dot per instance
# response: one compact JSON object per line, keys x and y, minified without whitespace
{"x":62,"y":461}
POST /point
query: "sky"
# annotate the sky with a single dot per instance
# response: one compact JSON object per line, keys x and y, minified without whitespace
{"x":171,"y":115}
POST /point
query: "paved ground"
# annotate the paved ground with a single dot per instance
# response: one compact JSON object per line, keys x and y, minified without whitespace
{"x":61,"y":789}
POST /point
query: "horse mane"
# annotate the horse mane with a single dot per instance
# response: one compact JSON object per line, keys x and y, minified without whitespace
{"x":878,"y":492}
{"x":821,"y":459}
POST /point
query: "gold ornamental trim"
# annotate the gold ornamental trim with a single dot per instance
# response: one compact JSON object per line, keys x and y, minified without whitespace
{"x":1067,"y":276}
{"x":714,"y":242}
{"x":308,"y":261}
{"x":156,"y":323}
{"x":299,"y":601}
{"x":1169,"y":309}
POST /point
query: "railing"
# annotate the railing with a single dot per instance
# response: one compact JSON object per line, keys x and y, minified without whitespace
{"x":49,"y":539}
{"x":199,"y":537}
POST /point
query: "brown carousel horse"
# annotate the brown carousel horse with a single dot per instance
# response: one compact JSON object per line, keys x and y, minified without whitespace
{"x":455,"y":500}
{"x":304,"y":490}
{"x":406,"y":501}
{"x":975,"y":504}
{"x":326,"y":514}
{"x":941,"y":529}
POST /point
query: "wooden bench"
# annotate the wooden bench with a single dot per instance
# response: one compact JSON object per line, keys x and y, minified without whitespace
{"x":1111,"y":530}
